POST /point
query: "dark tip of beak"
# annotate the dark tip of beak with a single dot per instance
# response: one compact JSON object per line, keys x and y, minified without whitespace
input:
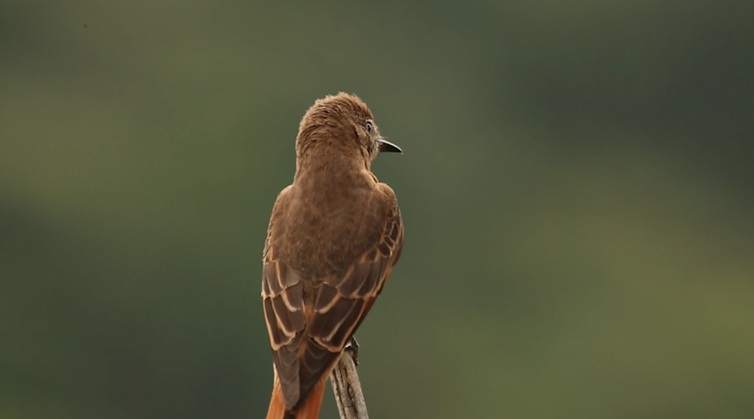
{"x":387,"y":146}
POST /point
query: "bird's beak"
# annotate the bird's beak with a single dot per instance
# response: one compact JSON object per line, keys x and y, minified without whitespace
{"x":387,"y":146}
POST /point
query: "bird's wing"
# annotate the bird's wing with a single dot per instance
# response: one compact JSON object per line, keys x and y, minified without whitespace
{"x":283,"y":304}
{"x":307,"y":340}
{"x":343,"y":302}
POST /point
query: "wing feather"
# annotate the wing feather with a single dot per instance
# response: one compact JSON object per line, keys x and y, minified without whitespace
{"x":307,"y":338}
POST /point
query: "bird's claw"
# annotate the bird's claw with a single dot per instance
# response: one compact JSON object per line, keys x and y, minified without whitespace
{"x":353,"y":346}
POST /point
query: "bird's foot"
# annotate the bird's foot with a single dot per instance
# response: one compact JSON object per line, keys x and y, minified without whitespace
{"x":353,"y":347}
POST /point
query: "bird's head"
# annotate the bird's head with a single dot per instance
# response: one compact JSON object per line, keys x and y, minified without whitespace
{"x":341,"y":123}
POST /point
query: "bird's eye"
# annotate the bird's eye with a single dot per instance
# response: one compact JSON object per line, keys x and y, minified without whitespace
{"x":368,"y":126}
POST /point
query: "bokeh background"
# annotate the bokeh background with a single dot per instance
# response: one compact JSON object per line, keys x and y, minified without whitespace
{"x":577,"y":189}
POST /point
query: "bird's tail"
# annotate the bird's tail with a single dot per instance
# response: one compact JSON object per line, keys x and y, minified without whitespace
{"x":308,"y":409}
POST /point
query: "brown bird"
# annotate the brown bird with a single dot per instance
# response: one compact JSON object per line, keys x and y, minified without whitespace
{"x":333,"y":238}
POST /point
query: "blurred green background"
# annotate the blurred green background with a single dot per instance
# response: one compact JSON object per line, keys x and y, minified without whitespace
{"x":577,"y":189}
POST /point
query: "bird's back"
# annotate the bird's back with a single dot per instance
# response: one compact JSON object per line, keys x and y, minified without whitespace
{"x":321,"y":234}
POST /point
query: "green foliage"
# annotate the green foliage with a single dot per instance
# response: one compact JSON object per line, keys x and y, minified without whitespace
{"x":576,"y":189}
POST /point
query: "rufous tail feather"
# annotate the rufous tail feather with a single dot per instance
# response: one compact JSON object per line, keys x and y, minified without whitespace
{"x":309,"y":409}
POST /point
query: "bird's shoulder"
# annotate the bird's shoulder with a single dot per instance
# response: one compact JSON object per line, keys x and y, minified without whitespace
{"x":279,"y":208}
{"x":391,"y":240}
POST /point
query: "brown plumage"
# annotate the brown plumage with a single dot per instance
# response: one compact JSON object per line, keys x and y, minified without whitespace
{"x":333,"y":238}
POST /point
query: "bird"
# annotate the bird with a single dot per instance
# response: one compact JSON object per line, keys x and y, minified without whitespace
{"x":333,"y":238}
